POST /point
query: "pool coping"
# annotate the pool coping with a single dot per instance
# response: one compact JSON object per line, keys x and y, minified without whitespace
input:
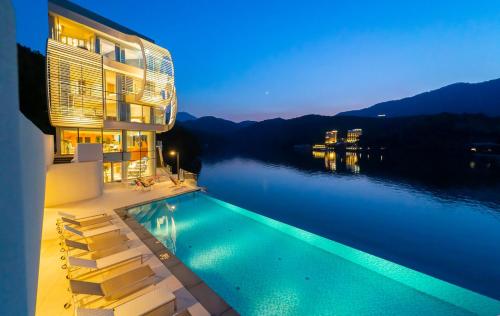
{"x":207,"y":297}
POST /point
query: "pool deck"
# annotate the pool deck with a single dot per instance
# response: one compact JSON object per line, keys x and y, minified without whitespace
{"x":191,"y":293}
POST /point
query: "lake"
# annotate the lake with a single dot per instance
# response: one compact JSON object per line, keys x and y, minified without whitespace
{"x":433,"y":213}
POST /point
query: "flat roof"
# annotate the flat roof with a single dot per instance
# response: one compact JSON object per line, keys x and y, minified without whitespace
{"x":98,"y":18}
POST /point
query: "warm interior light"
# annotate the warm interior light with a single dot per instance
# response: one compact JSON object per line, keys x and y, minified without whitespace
{"x":172,"y":153}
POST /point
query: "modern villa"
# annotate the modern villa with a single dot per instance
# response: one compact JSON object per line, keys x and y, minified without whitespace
{"x":107,"y":85}
{"x":94,"y":224}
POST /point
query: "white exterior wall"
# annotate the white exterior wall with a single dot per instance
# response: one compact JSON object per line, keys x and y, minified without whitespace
{"x":49,"y":150}
{"x":72,"y":182}
{"x":22,"y":183}
{"x":33,"y":168}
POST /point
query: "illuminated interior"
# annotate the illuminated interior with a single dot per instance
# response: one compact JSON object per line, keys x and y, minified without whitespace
{"x":111,"y":141}
{"x":70,"y":137}
{"x":111,"y":97}
{"x":97,"y":77}
{"x":112,"y":171}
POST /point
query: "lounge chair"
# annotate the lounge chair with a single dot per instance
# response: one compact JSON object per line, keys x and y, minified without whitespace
{"x":97,"y":243}
{"x":90,"y":221}
{"x":145,"y":185}
{"x":92,"y":232}
{"x":87,"y":214}
{"x":174,"y":180}
{"x":91,"y":261}
{"x":118,"y":286}
{"x":159,"y":301}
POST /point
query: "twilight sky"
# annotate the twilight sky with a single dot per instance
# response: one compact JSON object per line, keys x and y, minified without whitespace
{"x":262,"y":59}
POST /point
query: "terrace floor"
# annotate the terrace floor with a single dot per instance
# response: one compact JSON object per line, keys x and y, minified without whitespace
{"x":52,"y":284}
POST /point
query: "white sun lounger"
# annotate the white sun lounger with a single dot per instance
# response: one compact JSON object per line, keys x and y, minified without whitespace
{"x":97,"y":243}
{"x":159,"y":301}
{"x":86,"y":214}
{"x":92,"y":232}
{"x":104,"y":262}
{"x":117,"y":286}
{"x":88,"y":221}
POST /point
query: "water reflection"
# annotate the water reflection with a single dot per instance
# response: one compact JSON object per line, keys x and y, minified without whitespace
{"x":166,"y":225}
{"x":429,"y":211}
{"x":447,"y":176}
{"x":331,"y":161}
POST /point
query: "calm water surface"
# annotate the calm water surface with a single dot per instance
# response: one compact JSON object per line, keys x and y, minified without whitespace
{"x":438,"y":215}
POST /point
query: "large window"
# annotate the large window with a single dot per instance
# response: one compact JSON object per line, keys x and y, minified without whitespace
{"x":107,"y":48}
{"x":112,"y":141}
{"x":140,"y":114}
{"x":141,"y":147}
{"x":133,"y":57}
{"x":77,"y":42}
{"x":69,"y":139}
{"x":159,"y":116}
{"x":135,"y":113}
{"x":107,"y":172}
{"x":89,"y":136}
{"x":111,"y":96}
{"x":146,"y":114}
{"x":112,"y":171}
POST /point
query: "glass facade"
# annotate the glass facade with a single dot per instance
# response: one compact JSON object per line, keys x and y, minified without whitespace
{"x":112,"y":171}
{"x":112,"y":141}
{"x":111,"y":96}
{"x":141,"y":147}
{"x":107,"y":48}
{"x":159,"y":116}
{"x":89,"y":136}
{"x":140,"y":113}
{"x":106,"y":167}
{"x":139,"y":144}
{"x":69,"y":139}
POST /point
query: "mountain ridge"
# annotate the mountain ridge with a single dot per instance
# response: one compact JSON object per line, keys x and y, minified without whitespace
{"x":458,"y":98}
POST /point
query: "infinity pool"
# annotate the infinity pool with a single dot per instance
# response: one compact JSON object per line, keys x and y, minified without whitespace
{"x":264,"y":267}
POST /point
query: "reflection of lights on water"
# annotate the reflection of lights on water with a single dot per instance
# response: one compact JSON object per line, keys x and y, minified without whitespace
{"x":318,"y":154}
{"x":173,"y":235}
{"x":280,"y":300}
{"x":351,"y":162}
{"x":207,"y":259}
{"x":331,"y":161}
{"x":171,"y":208}
{"x":168,"y":233}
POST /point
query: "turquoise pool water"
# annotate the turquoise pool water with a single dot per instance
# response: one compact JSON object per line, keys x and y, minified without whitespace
{"x":264,"y":267}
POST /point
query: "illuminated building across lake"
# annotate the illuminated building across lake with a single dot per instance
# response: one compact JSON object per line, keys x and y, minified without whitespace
{"x":353,"y":135}
{"x":331,"y":137}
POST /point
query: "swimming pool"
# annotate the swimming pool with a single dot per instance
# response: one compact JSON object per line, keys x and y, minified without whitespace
{"x":264,"y":267}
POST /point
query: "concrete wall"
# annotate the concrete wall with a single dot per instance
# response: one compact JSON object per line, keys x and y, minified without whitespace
{"x":33,"y":167}
{"x":71,"y":182}
{"x":49,"y":150}
{"x":22,"y":183}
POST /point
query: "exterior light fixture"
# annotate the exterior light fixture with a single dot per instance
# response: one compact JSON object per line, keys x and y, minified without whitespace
{"x":176,"y":153}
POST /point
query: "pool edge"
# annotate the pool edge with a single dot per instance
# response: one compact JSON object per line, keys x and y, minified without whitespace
{"x":459,"y":296}
{"x":207,"y":297}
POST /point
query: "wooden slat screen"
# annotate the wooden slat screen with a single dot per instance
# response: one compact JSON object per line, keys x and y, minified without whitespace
{"x":159,"y":75}
{"x":75,"y":86}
